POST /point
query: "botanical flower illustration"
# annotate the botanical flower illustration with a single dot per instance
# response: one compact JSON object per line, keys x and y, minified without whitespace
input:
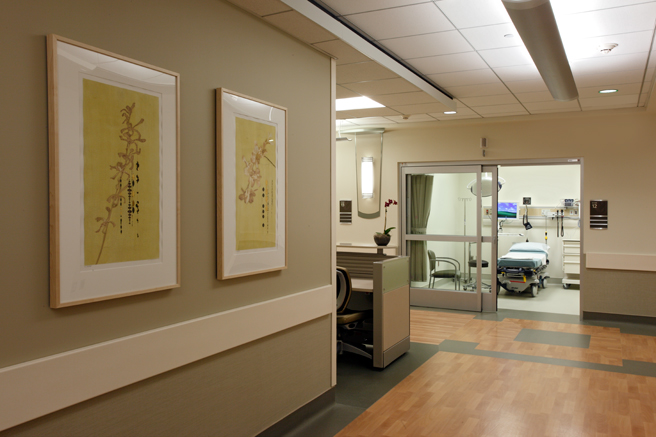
{"x":124,"y":175}
{"x":252,"y":170}
{"x":389,"y":203}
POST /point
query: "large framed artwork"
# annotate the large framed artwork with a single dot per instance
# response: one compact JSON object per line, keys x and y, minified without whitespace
{"x":114,"y":184}
{"x":251,"y":185}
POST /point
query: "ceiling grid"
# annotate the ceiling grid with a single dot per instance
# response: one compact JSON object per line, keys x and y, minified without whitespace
{"x":471,"y":50}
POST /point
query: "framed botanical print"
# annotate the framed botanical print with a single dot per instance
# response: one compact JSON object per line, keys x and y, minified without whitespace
{"x":114,"y":184}
{"x":251,"y":185}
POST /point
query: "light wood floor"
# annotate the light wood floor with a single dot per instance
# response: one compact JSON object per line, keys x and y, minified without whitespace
{"x":456,"y":394}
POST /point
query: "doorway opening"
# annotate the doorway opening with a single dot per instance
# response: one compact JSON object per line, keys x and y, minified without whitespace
{"x":472,"y":232}
{"x":551,"y":216}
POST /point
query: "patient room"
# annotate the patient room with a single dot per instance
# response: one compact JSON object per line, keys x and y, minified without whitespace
{"x":538,"y":229}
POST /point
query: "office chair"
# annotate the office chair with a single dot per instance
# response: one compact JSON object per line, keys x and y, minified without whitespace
{"x":453,"y":273}
{"x":352,"y":335}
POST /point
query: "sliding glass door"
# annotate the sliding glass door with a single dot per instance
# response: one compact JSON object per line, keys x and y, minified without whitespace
{"x":449,"y":231}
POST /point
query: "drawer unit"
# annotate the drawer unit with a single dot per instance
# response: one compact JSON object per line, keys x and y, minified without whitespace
{"x":571,"y":262}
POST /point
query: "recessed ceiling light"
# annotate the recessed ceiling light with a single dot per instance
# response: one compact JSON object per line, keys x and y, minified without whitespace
{"x":607,"y":91}
{"x":450,"y":112}
{"x":356,"y":103}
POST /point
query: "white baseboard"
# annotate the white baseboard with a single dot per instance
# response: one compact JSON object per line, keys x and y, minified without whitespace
{"x":620,"y":261}
{"x":39,"y":387}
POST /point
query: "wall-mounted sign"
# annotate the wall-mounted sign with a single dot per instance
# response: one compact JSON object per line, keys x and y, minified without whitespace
{"x":598,"y":214}
{"x":345,"y":212}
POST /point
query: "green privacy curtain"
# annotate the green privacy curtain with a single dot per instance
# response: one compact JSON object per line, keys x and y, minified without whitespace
{"x":421,"y":190}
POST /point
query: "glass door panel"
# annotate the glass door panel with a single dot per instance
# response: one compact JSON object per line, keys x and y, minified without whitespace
{"x":444,"y":233}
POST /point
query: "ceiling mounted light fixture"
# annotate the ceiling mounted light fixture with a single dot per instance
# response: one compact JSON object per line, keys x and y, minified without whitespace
{"x":536,"y":24}
{"x":607,"y":91}
{"x":450,"y":112}
{"x":353,"y":103}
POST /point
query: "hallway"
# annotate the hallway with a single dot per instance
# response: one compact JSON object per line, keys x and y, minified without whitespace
{"x":513,"y":373}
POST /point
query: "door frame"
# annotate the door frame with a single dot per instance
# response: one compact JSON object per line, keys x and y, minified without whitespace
{"x":576,"y":160}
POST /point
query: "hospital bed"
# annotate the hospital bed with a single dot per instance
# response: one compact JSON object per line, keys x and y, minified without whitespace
{"x":523,"y":267}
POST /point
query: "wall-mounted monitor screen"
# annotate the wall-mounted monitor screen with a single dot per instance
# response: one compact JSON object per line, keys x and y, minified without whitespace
{"x":507,"y":210}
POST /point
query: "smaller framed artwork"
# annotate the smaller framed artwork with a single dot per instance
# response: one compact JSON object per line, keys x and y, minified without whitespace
{"x":251,"y":185}
{"x":114,"y":184}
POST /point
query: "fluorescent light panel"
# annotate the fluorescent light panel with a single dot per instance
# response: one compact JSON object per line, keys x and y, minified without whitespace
{"x":367,"y":177}
{"x":353,"y":103}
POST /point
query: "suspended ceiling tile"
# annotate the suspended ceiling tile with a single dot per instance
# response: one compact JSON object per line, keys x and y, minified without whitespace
{"x":416,"y":118}
{"x":553,"y":105}
{"x":616,"y":77}
{"x":364,"y":121}
{"x":449,"y":63}
{"x":461,"y":78}
{"x":527,"y":86}
{"x":382,"y":87}
{"x":346,"y":7}
{"x":540,"y":96}
{"x":503,"y":99}
{"x":372,"y":112}
{"x":344,"y":124}
{"x":649,"y":74}
{"x":421,"y":108}
{"x":573,"y":7}
{"x":300,"y":27}
{"x":625,"y":89}
{"x":506,"y":57}
{"x":485,"y":89}
{"x":652,"y":60}
{"x":343,"y":93}
{"x":628,"y":43}
{"x":635,"y":61}
{"x":433,"y":44}
{"x":518,"y":72}
{"x":644,"y":98}
{"x":363,"y":71}
{"x":610,"y":101}
{"x":404,"y":99}
{"x":499,"y":109}
{"x":474,"y":13}
{"x":506,"y":114}
{"x":344,"y":53}
{"x":612,"y":21}
{"x":492,"y":37}
{"x":553,"y":111}
{"x":262,"y":7}
{"x":404,"y":21}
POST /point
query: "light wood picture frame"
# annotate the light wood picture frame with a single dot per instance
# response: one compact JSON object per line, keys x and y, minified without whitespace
{"x":251,"y":185}
{"x":114,"y":135}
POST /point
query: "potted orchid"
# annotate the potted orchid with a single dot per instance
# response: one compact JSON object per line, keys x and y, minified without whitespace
{"x":383,"y":238}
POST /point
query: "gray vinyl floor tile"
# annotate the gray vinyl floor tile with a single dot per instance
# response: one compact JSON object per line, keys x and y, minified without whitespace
{"x":554,"y":338}
{"x":360,"y":385}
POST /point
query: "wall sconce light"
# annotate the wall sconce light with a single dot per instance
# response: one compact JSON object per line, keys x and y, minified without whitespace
{"x":367,"y":177}
{"x":368,"y":170}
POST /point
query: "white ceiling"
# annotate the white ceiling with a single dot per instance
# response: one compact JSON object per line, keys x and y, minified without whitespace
{"x":460,"y":45}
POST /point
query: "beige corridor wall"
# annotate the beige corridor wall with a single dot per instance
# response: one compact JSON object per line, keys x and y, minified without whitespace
{"x":211,"y":44}
{"x":618,"y":150}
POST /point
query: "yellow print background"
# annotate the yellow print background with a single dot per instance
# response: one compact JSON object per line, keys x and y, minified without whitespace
{"x":256,"y":184}
{"x":132,"y":235}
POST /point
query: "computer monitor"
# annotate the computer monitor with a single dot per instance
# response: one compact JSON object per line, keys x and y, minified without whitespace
{"x":506,"y":210}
